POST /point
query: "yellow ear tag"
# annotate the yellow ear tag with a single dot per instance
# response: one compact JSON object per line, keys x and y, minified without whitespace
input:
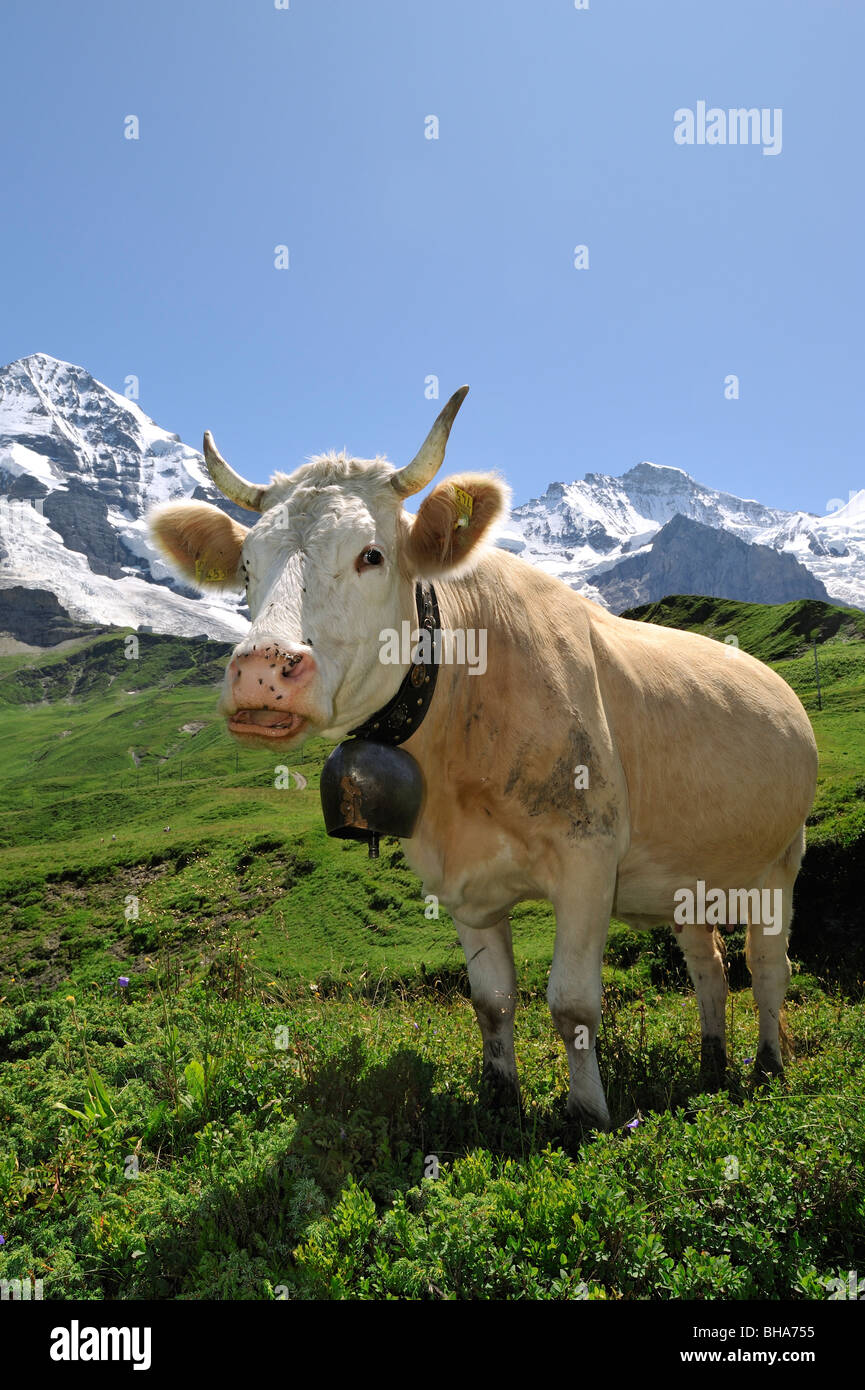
{"x":466,"y":504}
{"x":205,"y":574}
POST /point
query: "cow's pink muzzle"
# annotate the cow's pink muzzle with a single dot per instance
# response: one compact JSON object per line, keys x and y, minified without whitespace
{"x":263,"y":687}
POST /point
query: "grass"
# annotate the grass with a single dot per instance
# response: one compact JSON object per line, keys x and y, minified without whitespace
{"x":282,"y":1101}
{"x":231,"y":1140}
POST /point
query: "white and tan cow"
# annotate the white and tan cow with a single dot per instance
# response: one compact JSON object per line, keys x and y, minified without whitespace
{"x":602,"y":764}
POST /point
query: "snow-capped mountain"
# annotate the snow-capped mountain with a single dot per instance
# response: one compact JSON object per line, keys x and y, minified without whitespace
{"x":686,"y":557}
{"x":80,"y":466}
{"x":584,"y":530}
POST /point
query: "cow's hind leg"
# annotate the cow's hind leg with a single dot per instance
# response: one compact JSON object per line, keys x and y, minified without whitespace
{"x":490,"y":959}
{"x":766,"y":954}
{"x":704,"y":954}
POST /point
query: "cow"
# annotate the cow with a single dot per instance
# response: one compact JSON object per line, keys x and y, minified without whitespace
{"x":609,"y":766}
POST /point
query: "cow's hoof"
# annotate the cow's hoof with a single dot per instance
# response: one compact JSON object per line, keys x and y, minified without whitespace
{"x":767,"y":1064}
{"x":586,"y":1118}
{"x":499,"y":1091}
{"x":713,"y":1064}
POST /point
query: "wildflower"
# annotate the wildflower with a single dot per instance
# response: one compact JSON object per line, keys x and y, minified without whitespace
{"x":2,"y":1240}
{"x":70,"y":998}
{"x":632,"y":1124}
{"x":123,"y":981}
{"x":746,"y":1061}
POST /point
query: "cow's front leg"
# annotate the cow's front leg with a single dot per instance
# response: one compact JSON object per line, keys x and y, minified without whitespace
{"x":490,"y":960}
{"x":574,"y":989}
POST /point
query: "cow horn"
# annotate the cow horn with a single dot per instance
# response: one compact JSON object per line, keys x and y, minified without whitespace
{"x":430,"y":457}
{"x":230,"y":484}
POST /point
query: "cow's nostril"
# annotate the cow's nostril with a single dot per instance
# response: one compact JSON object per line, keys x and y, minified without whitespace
{"x":244,"y":669}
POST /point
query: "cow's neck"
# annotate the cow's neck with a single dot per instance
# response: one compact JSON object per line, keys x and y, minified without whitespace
{"x":396,"y":721}
{"x":464,"y":707}
{"x":537,"y":634}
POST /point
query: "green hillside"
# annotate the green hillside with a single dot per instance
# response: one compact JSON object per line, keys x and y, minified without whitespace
{"x":118,"y":779}
{"x":768,"y":631}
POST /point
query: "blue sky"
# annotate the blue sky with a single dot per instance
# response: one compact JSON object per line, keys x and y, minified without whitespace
{"x":411,"y":257}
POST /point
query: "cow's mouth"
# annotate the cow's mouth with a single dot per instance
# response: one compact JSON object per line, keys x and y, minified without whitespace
{"x":266,"y":723}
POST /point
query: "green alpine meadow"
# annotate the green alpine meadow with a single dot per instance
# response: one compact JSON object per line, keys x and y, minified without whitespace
{"x":238,"y":1059}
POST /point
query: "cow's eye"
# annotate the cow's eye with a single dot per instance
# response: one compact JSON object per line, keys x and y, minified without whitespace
{"x":370,"y":556}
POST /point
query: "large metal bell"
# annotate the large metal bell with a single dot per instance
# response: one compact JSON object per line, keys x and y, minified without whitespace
{"x":370,"y":789}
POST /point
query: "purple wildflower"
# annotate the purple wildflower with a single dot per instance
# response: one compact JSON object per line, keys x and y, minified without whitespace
{"x":123,"y":981}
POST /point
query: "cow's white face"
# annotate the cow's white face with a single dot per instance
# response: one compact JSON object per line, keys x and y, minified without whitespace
{"x":324,"y":576}
{"x":331,"y":564}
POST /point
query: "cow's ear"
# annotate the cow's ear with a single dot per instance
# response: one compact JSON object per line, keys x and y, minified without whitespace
{"x":452,"y":520}
{"x":199,"y":541}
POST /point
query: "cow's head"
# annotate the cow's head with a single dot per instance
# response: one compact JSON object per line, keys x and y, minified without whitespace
{"x":330,"y":564}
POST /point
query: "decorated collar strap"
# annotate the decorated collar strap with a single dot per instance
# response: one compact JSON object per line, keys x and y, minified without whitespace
{"x":400,"y":717}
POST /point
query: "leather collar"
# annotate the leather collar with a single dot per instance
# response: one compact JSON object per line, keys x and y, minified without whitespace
{"x":400,"y":717}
